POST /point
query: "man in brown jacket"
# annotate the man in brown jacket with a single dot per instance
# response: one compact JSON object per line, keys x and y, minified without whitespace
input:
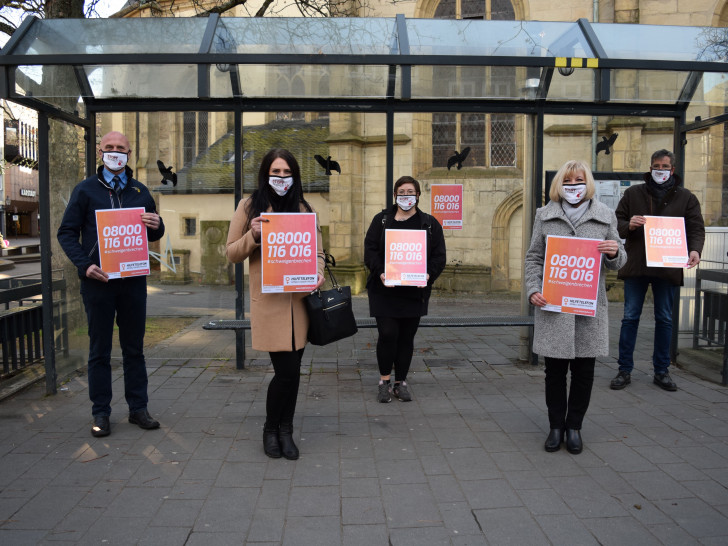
{"x":662,"y":194}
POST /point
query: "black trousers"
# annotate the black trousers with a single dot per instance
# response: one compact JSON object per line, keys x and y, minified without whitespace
{"x":123,"y":300}
{"x":396,"y":344}
{"x":280,"y":405}
{"x":568,"y":412}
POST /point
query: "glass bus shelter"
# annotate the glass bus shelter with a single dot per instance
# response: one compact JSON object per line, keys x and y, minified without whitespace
{"x":207,"y":94}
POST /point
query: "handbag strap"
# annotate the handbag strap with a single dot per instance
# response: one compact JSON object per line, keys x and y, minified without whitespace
{"x":330,"y":260}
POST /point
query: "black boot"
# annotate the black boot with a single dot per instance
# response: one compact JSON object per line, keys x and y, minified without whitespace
{"x":271,"y":444}
{"x":573,"y":441}
{"x":553,"y":442}
{"x":288,"y":447}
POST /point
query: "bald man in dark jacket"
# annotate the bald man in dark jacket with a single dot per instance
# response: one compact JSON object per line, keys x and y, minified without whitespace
{"x":106,"y":299}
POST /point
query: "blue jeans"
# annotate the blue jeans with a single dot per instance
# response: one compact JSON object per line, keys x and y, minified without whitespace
{"x":126,"y":301}
{"x":663,"y":293}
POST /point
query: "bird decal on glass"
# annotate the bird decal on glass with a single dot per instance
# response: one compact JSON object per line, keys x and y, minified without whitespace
{"x":167,"y":174}
{"x":606,"y":143}
{"x":328,"y":164}
{"x":458,"y":158}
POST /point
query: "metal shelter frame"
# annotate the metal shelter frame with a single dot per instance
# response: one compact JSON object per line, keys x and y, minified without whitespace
{"x":47,"y":44}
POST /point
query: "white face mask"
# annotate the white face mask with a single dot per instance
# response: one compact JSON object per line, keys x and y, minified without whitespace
{"x":115,"y":161}
{"x":406,"y":202}
{"x":280,"y":185}
{"x":573,"y":194}
{"x":660,"y":177}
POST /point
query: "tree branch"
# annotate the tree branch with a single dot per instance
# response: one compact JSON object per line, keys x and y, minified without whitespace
{"x":263,"y":8}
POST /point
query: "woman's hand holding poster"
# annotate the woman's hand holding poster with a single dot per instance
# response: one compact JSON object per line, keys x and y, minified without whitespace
{"x":571,"y":275}
{"x":288,"y":252}
{"x":405,"y":259}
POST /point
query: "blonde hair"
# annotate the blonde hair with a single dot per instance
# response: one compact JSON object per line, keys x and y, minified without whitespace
{"x":568,"y":169}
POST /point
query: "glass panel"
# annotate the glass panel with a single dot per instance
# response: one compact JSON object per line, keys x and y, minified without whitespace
{"x":503,"y":140}
{"x":55,"y":85}
{"x":467,"y":82}
{"x":94,"y":36}
{"x":710,"y":98}
{"x":317,"y":36}
{"x":647,"y":85}
{"x":499,"y":38}
{"x":660,"y":43}
{"x":163,"y":81}
{"x":444,"y":137}
{"x":472,"y":135}
{"x":66,"y":170}
{"x":489,"y":247}
{"x":302,"y":81}
{"x":577,"y":85}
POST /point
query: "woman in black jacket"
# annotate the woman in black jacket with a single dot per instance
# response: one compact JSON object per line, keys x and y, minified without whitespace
{"x":397,"y":309}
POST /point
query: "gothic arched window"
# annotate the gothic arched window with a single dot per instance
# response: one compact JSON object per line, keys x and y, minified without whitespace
{"x":491,"y":137}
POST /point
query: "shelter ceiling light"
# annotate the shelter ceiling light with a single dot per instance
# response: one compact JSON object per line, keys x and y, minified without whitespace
{"x":531,"y":88}
{"x":566,"y":70}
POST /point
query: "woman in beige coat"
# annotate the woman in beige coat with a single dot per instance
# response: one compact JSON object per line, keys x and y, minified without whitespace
{"x":279,"y":321}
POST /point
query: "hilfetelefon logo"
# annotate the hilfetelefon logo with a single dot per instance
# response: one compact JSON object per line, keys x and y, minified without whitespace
{"x":289,"y":280}
{"x":578,"y":302}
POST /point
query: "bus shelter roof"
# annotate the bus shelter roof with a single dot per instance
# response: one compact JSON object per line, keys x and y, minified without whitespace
{"x":71,"y":66}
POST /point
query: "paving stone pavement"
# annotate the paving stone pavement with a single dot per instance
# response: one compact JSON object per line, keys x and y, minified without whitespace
{"x":462,"y":464}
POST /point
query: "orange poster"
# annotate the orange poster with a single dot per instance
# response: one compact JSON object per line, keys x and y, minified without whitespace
{"x":123,"y":247}
{"x":288,"y":252}
{"x":571,"y":275}
{"x":405,"y":259}
{"x":446,"y":204}
{"x":666,"y":243}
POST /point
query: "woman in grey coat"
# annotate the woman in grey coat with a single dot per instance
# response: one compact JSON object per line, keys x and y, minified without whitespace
{"x":567,"y":340}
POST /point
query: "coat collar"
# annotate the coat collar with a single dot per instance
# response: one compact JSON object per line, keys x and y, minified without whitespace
{"x":602,"y":214}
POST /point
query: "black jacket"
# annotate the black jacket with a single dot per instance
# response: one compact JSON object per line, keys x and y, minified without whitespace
{"x":79,"y":219}
{"x":639,"y":201}
{"x":401,"y":301}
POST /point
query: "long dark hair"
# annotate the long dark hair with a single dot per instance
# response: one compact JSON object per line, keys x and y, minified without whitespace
{"x":263,"y":197}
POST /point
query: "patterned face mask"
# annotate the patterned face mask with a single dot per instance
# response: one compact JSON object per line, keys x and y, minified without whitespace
{"x":573,"y":194}
{"x":280,"y":185}
{"x":406,"y":202}
{"x":115,"y":161}
{"x":660,"y":177}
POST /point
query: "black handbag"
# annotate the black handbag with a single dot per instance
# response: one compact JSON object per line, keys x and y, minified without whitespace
{"x":330,"y":315}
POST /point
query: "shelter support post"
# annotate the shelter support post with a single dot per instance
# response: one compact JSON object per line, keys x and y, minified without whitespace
{"x":679,"y":142}
{"x":533,"y":147}
{"x":239,"y":276}
{"x":49,"y":346}
{"x":390,"y":157}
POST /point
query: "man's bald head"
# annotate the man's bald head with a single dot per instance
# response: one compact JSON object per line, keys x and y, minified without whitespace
{"x":114,"y":141}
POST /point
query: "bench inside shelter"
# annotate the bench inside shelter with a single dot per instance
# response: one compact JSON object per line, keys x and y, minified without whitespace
{"x":240,"y":325}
